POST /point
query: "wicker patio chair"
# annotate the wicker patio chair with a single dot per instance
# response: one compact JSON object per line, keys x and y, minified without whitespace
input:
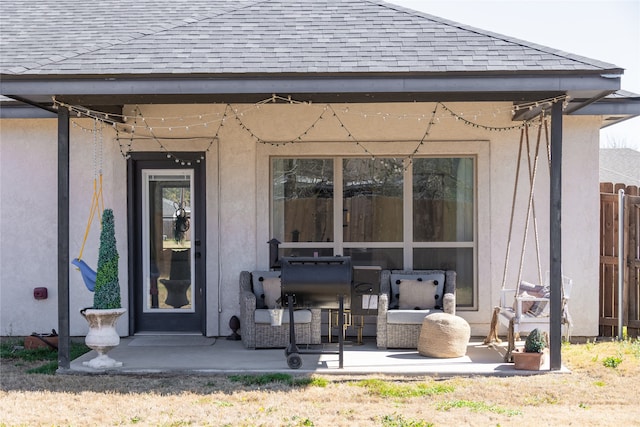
{"x":255,"y":321}
{"x":400,"y":327}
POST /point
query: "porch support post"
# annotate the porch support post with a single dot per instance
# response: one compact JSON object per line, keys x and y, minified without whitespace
{"x":64,"y":342}
{"x":555,"y":239}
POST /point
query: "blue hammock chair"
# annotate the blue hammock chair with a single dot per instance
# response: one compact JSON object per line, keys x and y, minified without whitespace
{"x":88,"y":275}
{"x":97,"y":206}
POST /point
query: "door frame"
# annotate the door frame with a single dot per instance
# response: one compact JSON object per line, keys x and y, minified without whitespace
{"x":157,"y":160}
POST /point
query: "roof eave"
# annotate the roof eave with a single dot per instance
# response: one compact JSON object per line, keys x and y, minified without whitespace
{"x":489,"y":86}
{"x":24,"y":111}
{"x":614,"y":109}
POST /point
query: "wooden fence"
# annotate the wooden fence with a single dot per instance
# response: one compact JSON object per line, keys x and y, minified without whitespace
{"x":609,"y":220}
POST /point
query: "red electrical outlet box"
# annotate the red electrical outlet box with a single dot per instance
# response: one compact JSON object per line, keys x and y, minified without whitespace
{"x":40,"y":293}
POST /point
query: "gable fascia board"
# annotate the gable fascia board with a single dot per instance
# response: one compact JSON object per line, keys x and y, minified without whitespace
{"x":614,"y":109}
{"x":25,"y":112}
{"x":17,"y":108}
{"x":618,"y":107}
{"x":465,"y":84}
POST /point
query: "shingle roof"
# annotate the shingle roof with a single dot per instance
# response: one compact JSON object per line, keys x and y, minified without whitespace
{"x":170,"y":37}
{"x":620,"y":165}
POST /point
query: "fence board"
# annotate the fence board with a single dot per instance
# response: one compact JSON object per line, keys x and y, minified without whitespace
{"x":633,"y":276}
{"x":608,"y":307}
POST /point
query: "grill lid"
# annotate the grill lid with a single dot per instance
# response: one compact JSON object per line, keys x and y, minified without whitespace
{"x":316,"y":282}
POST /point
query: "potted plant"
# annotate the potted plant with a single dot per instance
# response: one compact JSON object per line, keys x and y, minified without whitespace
{"x":533,"y":356}
{"x":106,"y":310}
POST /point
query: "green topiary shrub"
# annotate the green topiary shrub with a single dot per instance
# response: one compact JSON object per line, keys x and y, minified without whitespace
{"x":107,"y":290}
{"x":536,"y":342}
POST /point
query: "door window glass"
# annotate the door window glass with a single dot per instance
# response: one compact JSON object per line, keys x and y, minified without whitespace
{"x":167,"y":230}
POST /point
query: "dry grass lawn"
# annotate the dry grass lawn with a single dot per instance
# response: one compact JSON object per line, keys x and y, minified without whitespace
{"x":602,"y":390}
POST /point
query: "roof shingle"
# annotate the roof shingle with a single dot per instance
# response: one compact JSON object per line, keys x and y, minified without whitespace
{"x":110,"y":37}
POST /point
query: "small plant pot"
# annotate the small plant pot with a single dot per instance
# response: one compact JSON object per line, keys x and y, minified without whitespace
{"x":37,"y":341}
{"x":276,"y":316}
{"x":528,"y":361}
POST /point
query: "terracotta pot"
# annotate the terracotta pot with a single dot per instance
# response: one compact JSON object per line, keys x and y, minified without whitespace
{"x":528,"y":361}
{"x":102,"y":336}
{"x":36,"y":341}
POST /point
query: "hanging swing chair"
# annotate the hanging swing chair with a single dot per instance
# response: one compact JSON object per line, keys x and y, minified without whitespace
{"x":97,"y":206}
{"x":525,"y":307}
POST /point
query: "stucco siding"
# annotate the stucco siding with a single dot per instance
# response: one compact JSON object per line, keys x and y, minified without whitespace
{"x":581,"y":221}
{"x":238,"y":200}
{"x":28,"y":226}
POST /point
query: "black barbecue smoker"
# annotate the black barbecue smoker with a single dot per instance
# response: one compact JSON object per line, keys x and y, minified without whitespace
{"x":315,"y":282}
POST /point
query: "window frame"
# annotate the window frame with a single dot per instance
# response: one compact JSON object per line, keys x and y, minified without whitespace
{"x":407,"y":245}
{"x":479,"y":150}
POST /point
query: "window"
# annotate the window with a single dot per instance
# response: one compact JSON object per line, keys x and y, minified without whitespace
{"x":443,"y":200}
{"x":372,"y":193}
{"x":443,"y":219}
{"x":374,"y":218}
{"x":302,"y":205}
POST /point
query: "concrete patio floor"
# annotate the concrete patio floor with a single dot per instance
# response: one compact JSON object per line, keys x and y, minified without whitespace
{"x":154,"y":354}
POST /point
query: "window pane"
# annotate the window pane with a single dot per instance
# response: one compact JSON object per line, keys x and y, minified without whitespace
{"x":387,"y":258}
{"x":372,"y":200}
{"x":458,"y":259}
{"x":443,"y":200}
{"x":302,"y":200}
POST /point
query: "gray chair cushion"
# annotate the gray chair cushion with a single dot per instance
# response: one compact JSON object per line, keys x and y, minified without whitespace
{"x":409,"y":317}
{"x":299,"y":316}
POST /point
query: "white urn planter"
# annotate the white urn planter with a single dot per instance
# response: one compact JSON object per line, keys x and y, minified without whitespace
{"x":102,"y":336}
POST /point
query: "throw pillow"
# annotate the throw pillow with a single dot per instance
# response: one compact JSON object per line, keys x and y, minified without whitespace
{"x":258,"y":290}
{"x":437,"y":277}
{"x":539,"y":307}
{"x":533,"y":308}
{"x":526,"y":305}
{"x":417,"y":294}
{"x":272,"y":291}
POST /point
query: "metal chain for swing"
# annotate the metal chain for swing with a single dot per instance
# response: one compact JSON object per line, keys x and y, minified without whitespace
{"x":97,"y":201}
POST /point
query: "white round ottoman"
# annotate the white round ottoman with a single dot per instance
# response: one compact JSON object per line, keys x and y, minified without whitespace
{"x":444,"y":335}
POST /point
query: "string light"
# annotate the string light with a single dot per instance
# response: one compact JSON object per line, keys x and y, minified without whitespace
{"x":122,"y":120}
{"x":358,"y":143}
{"x":151,"y":125}
{"x":206,"y":119}
{"x":459,"y":116}
{"x":426,"y":134}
